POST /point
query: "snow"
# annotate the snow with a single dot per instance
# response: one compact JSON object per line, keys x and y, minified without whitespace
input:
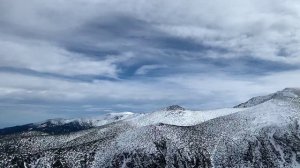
{"x":111,"y":117}
{"x":277,"y":147}
{"x":95,"y":121}
{"x":287,"y":93}
{"x":176,"y":115}
{"x":273,"y":112}
{"x":227,"y":135}
{"x":181,"y":118}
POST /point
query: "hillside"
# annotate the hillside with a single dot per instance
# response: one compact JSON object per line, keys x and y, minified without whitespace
{"x":263,"y":132}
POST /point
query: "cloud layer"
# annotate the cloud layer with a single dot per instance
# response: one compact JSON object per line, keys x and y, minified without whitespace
{"x":81,"y":58}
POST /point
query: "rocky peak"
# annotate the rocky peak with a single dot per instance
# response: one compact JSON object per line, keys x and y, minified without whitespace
{"x":289,"y":92}
{"x":174,"y":108}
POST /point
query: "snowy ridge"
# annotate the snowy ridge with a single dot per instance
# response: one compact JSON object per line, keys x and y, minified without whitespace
{"x":111,"y":117}
{"x":174,"y":115}
{"x":262,"y":135}
{"x":287,"y":93}
{"x":95,"y":121}
{"x":62,"y":126}
{"x":180,"y":117}
{"x":266,"y":134}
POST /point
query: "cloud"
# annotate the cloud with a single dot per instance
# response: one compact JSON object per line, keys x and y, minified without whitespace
{"x":250,"y":28}
{"x":42,"y":57}
{"x":141,"y":55}
{"x":181,"y":88}
{"x":195,"y":91}
{"x":146,"y":68}
{"x":267,"y":30}
{"x":26,"y":88}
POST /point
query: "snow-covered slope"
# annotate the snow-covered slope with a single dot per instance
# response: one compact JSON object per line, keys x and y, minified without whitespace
{"x":266,"y":134}
{"x":287,"y":93}
{"x":180,"y":117}
{"x":95,"y":121}
{"x":174,"y":114}
{"x":60,"y":126}
{"x":109,"y":118}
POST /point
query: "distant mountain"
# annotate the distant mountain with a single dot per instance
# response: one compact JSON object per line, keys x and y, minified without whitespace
{"x":262,"y":132}
{"x":288,"y":93}
{"x":174,"y":108}
{"x":61,"y":126}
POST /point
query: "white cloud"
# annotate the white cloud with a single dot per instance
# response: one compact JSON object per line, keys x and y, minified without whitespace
{"x":195,"y":91}
{"x":269,"y":30}
{"x":223,"y":89}
{"x":17,"y":86}
{"x":48,"y":17}
{"x":147,"y":68}
{"x":230,"y":89}
{"x":44,"y":57}
{"x":250,"y":27}
{"x":35,"y":35}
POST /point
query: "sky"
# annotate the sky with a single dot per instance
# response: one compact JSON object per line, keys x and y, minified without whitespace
{"x":81,"y":58}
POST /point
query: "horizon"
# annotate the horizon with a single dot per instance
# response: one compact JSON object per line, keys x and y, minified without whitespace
{"x":143,"y":112}
{"x":62,"y":59}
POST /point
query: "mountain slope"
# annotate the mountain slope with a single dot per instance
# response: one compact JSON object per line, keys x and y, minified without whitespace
{"x":264,"y":135}
{"x":180,"y":117}
{"x":170,"y":115}
{"x":287,"y":93}
{"x":252,"y":138}
{"x":61,"y":126}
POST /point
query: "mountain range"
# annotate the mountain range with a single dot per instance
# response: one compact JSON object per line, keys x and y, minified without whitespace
{"x":262,"y":132}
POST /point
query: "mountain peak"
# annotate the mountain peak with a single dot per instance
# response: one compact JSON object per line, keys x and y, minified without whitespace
{"x":174,"y":108}
{"x":287,"y":93}
{"x":290,"y":92}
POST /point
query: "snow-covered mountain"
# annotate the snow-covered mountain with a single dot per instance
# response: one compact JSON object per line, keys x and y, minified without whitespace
{"x":287,"y":93}
{"x":179,"y":116}
{"x":60,"y":126}
{"x":173,"y":114}
{"x":95,"y":121}
{"x":262,"y":132}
